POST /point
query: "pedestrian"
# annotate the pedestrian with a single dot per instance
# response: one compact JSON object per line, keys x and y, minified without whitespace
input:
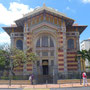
{"x":84,"y":76}
{"x":31,"y":78}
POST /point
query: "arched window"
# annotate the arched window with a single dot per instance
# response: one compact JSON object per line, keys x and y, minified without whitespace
{"x":38,"y":43}
{"x":70,"y":44}
{"x":19,"y":44}
{"x":44,"y":41}
{"x":51,"y":43}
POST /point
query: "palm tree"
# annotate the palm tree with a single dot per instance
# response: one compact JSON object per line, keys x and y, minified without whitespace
{"x":83,"y":55}
{"x":88,"y":55}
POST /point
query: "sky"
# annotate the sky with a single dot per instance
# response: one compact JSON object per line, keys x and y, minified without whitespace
{"x":11,"y":10}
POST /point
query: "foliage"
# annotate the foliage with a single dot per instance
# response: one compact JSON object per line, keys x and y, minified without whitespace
{"x":18,"y":57}
{"x":31,"y":57}
{"x":12,"y":57}
{"x":4,"y":62}
{"x":88,"y":55}
{"x":83,"y":54}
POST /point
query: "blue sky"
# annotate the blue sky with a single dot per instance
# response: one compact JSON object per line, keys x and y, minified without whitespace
{"x":11,"y":10}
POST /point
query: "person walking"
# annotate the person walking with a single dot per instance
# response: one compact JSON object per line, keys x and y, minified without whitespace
{"x":84,"y":76}
{"x":31,"y":78}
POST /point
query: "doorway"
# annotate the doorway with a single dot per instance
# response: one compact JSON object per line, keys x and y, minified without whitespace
{"x":45,"y":67}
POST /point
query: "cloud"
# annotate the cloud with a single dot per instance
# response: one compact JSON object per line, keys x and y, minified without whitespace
{"x":69,"y":0}
{"x":86,"y":1}
{"x":70,"y":9}
{"x":67,"y":8}
{"x":4,"y":38}
{"x":14,"y":12}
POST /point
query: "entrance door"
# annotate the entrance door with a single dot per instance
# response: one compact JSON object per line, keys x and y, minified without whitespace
{"x":45,"y":67}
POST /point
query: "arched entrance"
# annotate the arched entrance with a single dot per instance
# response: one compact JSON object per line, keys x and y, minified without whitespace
{"x":45,"y":67}
{"x":45,"y":48}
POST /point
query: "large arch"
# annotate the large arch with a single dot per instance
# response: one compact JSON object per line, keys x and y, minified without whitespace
{"x":45,"y":47}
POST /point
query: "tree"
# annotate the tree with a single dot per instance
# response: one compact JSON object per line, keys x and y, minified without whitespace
{"x":88,"y":55}
{"x":12,"y":57}
{"x":83,"y":55}
{"x":4,"y":60}
{"x":20,"y":57}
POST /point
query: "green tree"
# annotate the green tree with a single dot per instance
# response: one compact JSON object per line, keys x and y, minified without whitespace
{"x":12,"y":57}
{"x":83,"y":55}
{"x":20,"y":57}
{"x":88,"y":55}
{"x":4,"y":60}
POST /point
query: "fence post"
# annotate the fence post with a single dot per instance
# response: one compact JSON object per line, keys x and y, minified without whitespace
{"x":46,"y":84}
{"x":59,"y":84}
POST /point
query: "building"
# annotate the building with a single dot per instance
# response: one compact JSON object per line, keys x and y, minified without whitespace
{"x":85,"y":45}
{"x":52,"y":36}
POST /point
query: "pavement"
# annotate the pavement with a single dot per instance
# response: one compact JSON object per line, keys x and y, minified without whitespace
{"x":44,"y":86}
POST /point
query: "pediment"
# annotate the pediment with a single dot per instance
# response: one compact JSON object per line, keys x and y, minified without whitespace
{"x":44,"y":27}
{"x":44,"y":11}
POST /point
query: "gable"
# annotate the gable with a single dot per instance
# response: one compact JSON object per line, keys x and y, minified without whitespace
{"x":42,"y":13}
{"x":44,"y":27}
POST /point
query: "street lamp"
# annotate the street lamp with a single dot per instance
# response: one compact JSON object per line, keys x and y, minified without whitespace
{"x":79,"y":55}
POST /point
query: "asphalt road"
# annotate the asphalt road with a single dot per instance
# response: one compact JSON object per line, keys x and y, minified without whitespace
{"x":11,"y":89}
{"x":76,"y":88}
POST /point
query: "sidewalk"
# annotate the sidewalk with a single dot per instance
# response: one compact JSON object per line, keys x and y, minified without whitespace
{"x":44,"y":86}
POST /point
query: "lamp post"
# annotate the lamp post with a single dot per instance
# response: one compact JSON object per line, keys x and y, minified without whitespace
{"x":53,"y":76}
{"x":10,"y":70}
{"x":10,"y":74}
{"x":79,"y":55}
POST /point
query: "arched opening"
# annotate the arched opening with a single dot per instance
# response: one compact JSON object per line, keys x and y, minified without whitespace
{"x":19,"y":44}
{"x":45,"y":48}
{"x":70,"y":44}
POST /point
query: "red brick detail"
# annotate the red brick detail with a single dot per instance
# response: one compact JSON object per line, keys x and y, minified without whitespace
{"x":60,"y":41}
{"x":61,"y":69}
{"x":61,"y":64}
{"x":27,"y":37}
{"x":29,"y":64}
{"x":60,"y":60}
{"x":71,"y":52}
{"x":59,"y":50}
{"x":21,"y":65}
{"x":70,"y":69}
{"x":28,"y":42}
{"x":27,"y":33}
{"x":70,"y":56}
{"x":29,"y":69}
{"x":61,"y":37}
{"x":71,"y":61}
{"x":18,"y":70}
{"x":61,"y":32}
{"x":72,"y":65}
{"x":60,"y":55}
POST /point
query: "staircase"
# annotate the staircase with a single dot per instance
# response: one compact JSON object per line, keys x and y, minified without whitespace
{"x":43,"y":79}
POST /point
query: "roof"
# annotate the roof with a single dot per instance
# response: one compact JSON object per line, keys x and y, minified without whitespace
{"x":47,"y":9}
{"x":81,"y":28}
{"x":9,"y":29}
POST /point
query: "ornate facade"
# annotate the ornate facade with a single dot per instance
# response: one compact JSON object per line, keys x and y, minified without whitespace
{"x":52,"y":36}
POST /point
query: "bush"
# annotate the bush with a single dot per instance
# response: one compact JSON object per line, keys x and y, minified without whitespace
{"x":4,"y":78}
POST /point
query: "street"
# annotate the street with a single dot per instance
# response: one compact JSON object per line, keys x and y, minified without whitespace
{"x":74,"y":88}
